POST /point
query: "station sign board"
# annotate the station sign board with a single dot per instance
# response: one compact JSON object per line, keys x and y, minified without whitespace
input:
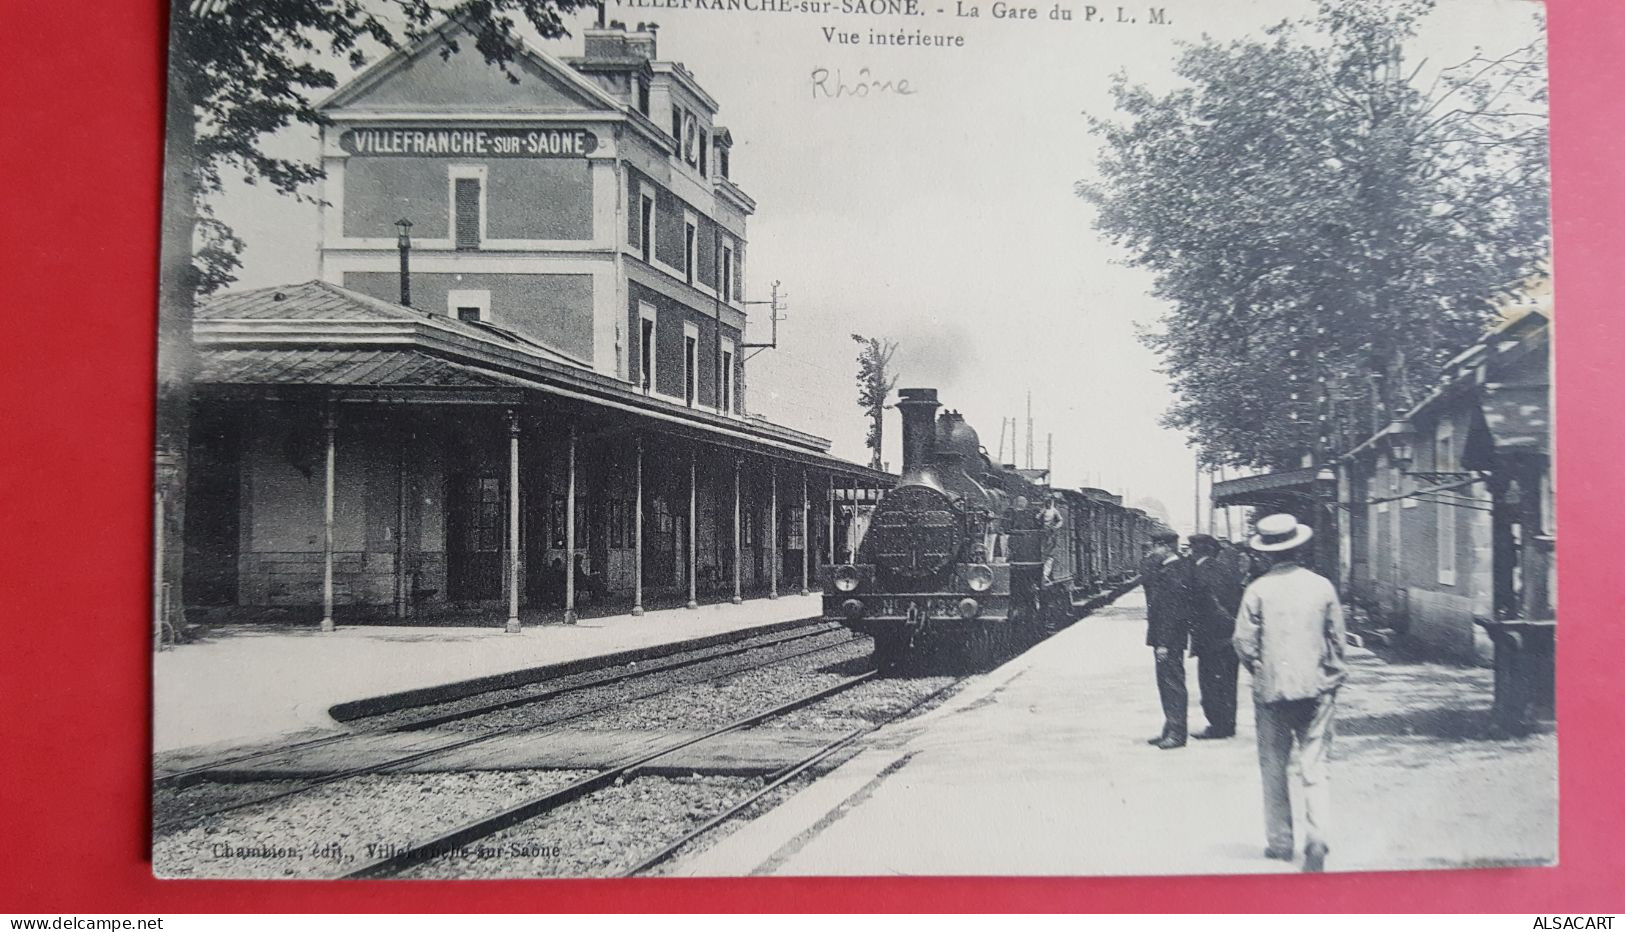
{"x":553,"y":142}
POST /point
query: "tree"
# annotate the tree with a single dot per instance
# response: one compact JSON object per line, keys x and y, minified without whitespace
{"x":1327,"y":221}
{"x":875,"y":383}
{"x":240,"y":70}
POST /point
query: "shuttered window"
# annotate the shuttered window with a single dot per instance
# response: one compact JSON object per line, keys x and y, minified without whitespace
{"x":688,"y":252}
{"x":646,"y":229}
{"x":727,"y":380}
{"x":467,"y":213}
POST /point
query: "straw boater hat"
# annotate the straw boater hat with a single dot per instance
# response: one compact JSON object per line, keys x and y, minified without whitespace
{"x":1280,"y":532}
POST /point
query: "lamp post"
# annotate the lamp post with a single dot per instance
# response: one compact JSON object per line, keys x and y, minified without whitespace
{"x":403,"y":242}
{"x":1402,"y":443}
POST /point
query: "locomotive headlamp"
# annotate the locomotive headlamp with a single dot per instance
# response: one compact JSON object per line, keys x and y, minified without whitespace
{"x":852,"y":608}
{"x":968,"y":609}
{"x":846,"y":577}
{"x":979,"y":577}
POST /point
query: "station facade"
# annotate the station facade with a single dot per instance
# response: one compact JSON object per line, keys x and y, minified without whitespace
{"x":519,"y":381}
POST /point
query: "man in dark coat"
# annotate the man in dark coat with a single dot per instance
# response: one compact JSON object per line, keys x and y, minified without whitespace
{"x":1216,"y":591}
{"x":1169,"y":611}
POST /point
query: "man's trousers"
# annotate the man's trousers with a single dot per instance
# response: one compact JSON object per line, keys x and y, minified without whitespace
{"x":1308,"y":722}
{"x":1216,"y":674}
{"x":1171,"y":687}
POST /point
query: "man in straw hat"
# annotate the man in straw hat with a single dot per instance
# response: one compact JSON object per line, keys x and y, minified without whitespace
{"x":1289,"y":634}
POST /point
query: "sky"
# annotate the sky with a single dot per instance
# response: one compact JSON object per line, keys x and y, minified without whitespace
{"x":945,"y":220}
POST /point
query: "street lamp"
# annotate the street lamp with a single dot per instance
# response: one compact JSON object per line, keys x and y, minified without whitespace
{"x":1401,"y":442}
{"x":403,"y":242}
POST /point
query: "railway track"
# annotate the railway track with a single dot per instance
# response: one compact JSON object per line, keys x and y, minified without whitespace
{"x":455,"y":840}
{"x":685,"y":752}
{"x":182,"y":779}
{"x":773,"y":782}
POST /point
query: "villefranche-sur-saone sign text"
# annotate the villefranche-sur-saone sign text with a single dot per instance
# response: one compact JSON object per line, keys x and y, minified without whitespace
{"x":495,"y":142}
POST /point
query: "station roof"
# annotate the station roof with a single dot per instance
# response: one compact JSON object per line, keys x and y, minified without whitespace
{"x":321,"y":336}
{"x":370,"y":368}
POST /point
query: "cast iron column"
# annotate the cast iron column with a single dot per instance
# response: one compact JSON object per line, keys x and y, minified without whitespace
{"x":513,"y":523}
{"x":693,"y":534}
{"x":773,"y":537}
{"x":831,"y":529}
{"x":637,"y":538}
{"x":570,"y":535}
{"x":738,"y":555}
{"x":806,"y":535}
{"x":330,"y":428}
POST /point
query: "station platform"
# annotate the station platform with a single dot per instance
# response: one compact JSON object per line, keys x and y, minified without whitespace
{"x":254,"y":683}
{"x":1041,"y":767}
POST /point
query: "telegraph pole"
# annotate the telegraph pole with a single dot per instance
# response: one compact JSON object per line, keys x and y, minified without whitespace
{"x":1029,"y":429}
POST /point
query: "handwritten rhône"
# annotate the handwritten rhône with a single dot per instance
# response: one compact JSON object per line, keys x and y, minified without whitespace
{"x":833,"y":85}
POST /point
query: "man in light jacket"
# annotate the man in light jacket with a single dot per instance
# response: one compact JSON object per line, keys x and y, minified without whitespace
{"x":1289,"y":634}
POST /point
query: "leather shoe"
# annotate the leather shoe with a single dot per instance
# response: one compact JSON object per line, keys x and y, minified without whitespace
{"x":1208,"y":734}
{"x":1314,"y":858}
{"x":1278,"y":854}
{"x":1168,"y":744}
{"x":1157,"y":740}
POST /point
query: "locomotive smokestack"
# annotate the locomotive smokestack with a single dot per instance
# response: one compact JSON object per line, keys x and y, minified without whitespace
{"x":919,"y":407}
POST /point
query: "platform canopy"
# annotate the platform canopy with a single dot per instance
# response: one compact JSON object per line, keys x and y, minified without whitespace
{"x":1282,"y":490}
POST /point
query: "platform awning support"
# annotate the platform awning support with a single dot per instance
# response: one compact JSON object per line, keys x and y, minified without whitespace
{"x":512,"y":626}
{"x":806,"y":536}
{"x":403,"y":585}
{"x":570,"y":534}
{"x":330,"y":429}
{"x":738,"y":595}
{"x":773,"y":535}
{"x":830,"y":529}
{"x":637,"y":537}
{"x":693,"y":536}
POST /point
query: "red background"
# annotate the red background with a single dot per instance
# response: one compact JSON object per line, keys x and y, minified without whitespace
{"x":82,"y":141}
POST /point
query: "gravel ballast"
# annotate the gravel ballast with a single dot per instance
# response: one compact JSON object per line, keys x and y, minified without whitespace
{"x":327,"y":832}
{"x":658,"y":688}
{"x":601,"y":835}
{"x":390,"y":720}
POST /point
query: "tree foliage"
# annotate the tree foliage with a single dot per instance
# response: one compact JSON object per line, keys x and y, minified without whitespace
{"x":1327,"y":220}
{"x":875,"y":384}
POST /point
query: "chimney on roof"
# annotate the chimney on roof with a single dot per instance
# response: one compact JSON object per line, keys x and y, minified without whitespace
{"x":605,"y":42}
{"x":641,"y":43}
{"x":403,"y":243}
{"x":615,"y":43}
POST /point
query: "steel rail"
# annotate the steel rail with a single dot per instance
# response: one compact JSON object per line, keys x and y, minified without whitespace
{"x":777,"y":779}
{"x":170,"y":825}
{"x":485,"y":826}
{"x":192,"y":775}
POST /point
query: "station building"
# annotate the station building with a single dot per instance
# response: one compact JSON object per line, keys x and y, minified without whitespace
{"x":1450,"y":531}
{"x":525,"y":352}
{"x":1441,"y":525}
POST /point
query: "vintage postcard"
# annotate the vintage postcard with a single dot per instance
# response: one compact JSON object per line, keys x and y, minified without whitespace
{"x":865,"y":437}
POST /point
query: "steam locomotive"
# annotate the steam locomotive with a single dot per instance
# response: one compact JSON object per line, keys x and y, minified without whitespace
{"x":976,"y":557}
